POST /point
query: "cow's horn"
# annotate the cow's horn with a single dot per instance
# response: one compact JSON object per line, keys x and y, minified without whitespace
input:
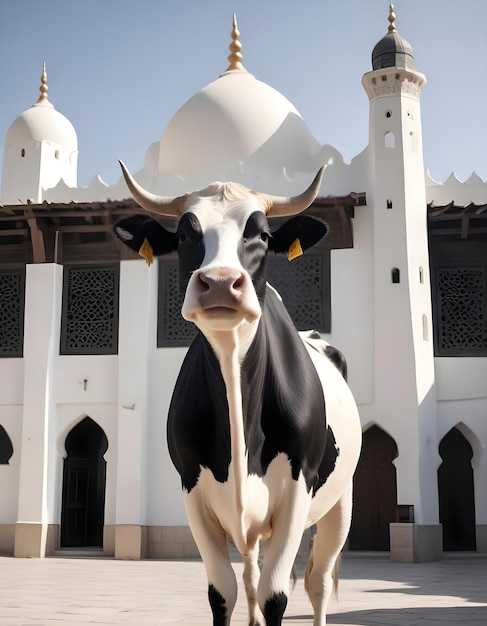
{"x":278,"y":206}
{"x":170,"y":206}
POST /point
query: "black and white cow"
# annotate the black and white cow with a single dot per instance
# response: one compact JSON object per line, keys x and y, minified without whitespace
{"x":262,"y":427}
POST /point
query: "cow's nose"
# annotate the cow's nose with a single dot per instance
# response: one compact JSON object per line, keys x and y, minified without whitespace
{"x":220,"y":280}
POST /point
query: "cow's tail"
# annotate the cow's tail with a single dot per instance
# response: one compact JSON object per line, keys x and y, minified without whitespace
{"x":336,"y":571}
{"x":309,"y":566}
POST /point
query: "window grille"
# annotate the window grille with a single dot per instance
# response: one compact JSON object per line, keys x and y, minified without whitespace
{"x":89,"y":323}
{"x":12,"y":297}
{"x":304,"y":285}
{"x":172,"y":329}
{"x":461,"y":316}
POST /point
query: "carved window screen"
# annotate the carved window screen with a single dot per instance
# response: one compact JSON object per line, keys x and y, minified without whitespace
{"x":461,"y":311}
{"x":172,"y":329}
{"x":89,"y":323}
{"x":12,"y":299}
{"x":304,"y":285}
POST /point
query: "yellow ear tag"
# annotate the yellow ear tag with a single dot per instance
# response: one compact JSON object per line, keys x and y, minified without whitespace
{"x":295,"y":250}
{"x":147,"y":252}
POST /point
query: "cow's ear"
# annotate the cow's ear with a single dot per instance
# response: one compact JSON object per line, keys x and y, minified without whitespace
{"x":145,"y":235}
{"x":297,"y":235}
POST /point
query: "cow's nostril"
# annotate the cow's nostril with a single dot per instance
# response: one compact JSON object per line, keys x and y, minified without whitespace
{"x":204,"y":283}
{"x":238,"y":282}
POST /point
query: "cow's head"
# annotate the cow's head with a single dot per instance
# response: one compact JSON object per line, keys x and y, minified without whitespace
{"x":222,"y":239}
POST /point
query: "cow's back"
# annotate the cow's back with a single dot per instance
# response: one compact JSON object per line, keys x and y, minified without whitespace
{"x":344,"y":432}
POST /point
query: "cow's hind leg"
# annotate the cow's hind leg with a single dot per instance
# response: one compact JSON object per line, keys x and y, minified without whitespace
{"x":251,"y":577}
{"x":322,"y":567}
{"x":212,"y":545}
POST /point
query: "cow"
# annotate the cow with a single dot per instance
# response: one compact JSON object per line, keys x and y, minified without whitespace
{"x":262,"y":427}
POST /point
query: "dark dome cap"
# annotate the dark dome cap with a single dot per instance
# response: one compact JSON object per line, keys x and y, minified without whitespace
{"x":392,"y":50}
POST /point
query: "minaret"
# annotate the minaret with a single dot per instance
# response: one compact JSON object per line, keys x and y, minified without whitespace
{"x":404,"y":391}
{"x":41,"y":148}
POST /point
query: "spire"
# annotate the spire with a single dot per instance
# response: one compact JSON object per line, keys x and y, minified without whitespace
{"x":43,"y":88}
{"x":392,"y":50}
{"x":235,"y":56}
{"x":392,"y":19}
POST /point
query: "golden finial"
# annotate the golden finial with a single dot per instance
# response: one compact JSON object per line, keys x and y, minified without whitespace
{"x":392,"y":18}
{"x":235,"y":57}
{"x":43,"y":88}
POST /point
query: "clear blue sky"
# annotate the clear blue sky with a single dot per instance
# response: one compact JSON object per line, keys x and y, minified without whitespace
{"x":119,"y":69}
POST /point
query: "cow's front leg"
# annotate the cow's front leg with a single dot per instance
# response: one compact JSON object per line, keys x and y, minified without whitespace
{"x":212,"y":545}
{"x":288,"y":523}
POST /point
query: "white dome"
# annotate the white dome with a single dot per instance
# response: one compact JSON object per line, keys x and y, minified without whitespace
{"x":151,"y":159}
{"x":42,"y":123}
{"x":236,"y":122}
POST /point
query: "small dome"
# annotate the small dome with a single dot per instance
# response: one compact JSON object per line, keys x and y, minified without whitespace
{"x":236,"y":123}
{"x":392,"y":50}
{"x":42,"y":123}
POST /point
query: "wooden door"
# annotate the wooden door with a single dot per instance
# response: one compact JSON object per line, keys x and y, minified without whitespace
{"x":84,"y":477}
{"x":375,"y":492}
{"x":456,"y":493}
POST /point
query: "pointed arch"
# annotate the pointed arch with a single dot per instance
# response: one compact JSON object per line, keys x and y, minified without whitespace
{"x":84,"y":480}
{"x":6,"y":447}
{"x":375,"y":492}
{"x":456,"y":494}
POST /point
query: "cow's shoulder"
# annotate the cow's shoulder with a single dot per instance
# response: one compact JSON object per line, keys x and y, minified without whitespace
{"x":283,"y":395}
{"x":198,"y":427}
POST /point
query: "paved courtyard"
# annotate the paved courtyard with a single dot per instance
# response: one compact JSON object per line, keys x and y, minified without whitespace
{"x":82,"y":592}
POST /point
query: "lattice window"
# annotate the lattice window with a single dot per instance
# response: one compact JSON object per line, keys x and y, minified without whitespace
{"x":12,"y":297}
{"x":304,"y":285}
{"x":461,"y":317}
{"x":172,"y":329}
{"x":90,"y":310}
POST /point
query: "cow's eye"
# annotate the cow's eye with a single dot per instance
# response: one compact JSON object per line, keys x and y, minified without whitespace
{"x":264,"y":236}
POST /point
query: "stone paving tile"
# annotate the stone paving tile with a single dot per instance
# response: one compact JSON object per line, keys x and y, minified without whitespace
{"x":91,"y":592}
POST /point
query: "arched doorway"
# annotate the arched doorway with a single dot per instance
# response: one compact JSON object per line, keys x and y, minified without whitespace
{"x":6,"y":448}
{"x":374,"y":492}
{"x":456,"y":492}
{"x":84,"y":477}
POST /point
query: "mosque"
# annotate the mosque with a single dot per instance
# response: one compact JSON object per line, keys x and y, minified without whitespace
{"x":91,"y":339}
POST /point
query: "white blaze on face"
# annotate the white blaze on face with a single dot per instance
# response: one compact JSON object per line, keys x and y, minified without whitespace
{"x":220,"y":294}
{"x":221,"y":300}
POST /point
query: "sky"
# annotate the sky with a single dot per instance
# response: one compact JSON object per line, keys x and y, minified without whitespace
{"x":120,"y":69}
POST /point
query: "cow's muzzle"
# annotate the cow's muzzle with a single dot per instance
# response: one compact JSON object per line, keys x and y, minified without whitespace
{"x":219,"y":293}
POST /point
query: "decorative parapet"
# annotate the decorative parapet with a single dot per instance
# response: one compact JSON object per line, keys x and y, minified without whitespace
{"x":391,"y":81}
{"x":453,"y":190}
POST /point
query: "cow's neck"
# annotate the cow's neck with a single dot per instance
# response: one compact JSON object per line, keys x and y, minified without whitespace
{"x":230,"y":348}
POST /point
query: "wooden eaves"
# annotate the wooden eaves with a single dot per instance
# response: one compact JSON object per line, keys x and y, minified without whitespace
{"x":81,"y":232}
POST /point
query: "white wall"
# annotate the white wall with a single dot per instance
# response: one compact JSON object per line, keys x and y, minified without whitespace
{"x":142,"y":484}
{"x":462,"y":403}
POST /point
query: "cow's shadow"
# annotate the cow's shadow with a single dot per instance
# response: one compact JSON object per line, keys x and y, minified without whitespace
{"x":390,"y":617}
{"x":451,"y":583}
